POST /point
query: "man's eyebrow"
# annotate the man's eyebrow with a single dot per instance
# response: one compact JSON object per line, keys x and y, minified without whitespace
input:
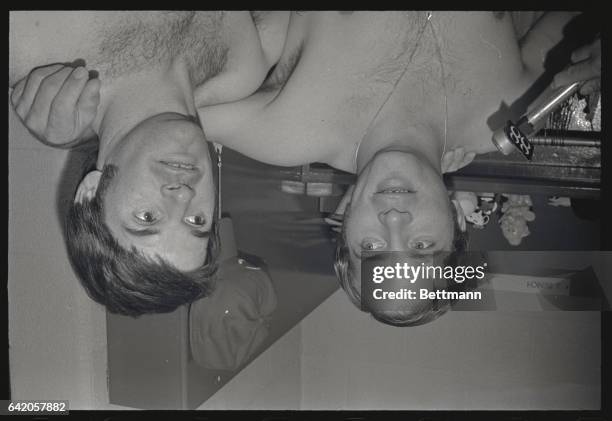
{"x":200,"y":234}
{"x":141,"y":232}
{"x":152,"y":231}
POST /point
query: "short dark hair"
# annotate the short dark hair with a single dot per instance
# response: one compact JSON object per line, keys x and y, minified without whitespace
{"x":126,"y":281}
{"x":342,"y":266}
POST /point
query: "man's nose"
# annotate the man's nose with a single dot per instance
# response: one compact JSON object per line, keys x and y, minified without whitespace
{"x":179,"y":192}
{"x":393,"y":218}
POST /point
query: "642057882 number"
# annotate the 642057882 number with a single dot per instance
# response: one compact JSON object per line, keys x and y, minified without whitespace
{"x":53,"y":407}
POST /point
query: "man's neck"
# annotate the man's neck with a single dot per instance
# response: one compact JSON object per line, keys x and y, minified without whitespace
{"x":130,"y":99}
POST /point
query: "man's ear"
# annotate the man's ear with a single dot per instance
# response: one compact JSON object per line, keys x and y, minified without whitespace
{"x":455,"y":159}
{"x":88,"y":187}
{"x":460,"y":215}
{"x":346,"y":199}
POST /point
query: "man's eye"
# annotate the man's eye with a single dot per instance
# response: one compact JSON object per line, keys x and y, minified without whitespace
{"x":145,"y":217}
{"x":370,"y":245}
{"x":196,"y":220}
{"x":421,"y":244}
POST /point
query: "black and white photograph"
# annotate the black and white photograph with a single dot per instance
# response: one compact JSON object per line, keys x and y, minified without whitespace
{"x":305,"y":211}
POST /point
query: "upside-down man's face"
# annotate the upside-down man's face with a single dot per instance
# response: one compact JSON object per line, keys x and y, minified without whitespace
{"x":162,"y":199}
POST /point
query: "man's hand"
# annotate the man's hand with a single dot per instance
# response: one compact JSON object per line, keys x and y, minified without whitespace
{"x":586,"y":65}
{"x":58,"y":103}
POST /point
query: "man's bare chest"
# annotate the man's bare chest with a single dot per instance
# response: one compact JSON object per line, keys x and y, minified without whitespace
{"x":114,"y":43}
{"x":467,"y":67}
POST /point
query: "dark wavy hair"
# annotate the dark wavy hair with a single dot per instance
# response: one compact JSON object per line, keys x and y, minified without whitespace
{"x":400,"y":318}
{"x":124,"y":280}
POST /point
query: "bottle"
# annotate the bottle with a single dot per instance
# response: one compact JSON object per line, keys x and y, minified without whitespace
{"x":512,"y":136}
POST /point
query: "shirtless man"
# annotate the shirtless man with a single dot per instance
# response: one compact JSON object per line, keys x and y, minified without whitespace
{"x":141,"y":234}
{"x":387,"y":95}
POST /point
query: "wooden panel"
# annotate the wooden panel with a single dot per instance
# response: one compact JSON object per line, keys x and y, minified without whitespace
{"x":146,"y":360}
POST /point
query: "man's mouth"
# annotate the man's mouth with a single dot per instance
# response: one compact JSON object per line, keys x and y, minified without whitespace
{"x":394,"y":185}
{"x":179,"y":165}
{"x":394,"y":190}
